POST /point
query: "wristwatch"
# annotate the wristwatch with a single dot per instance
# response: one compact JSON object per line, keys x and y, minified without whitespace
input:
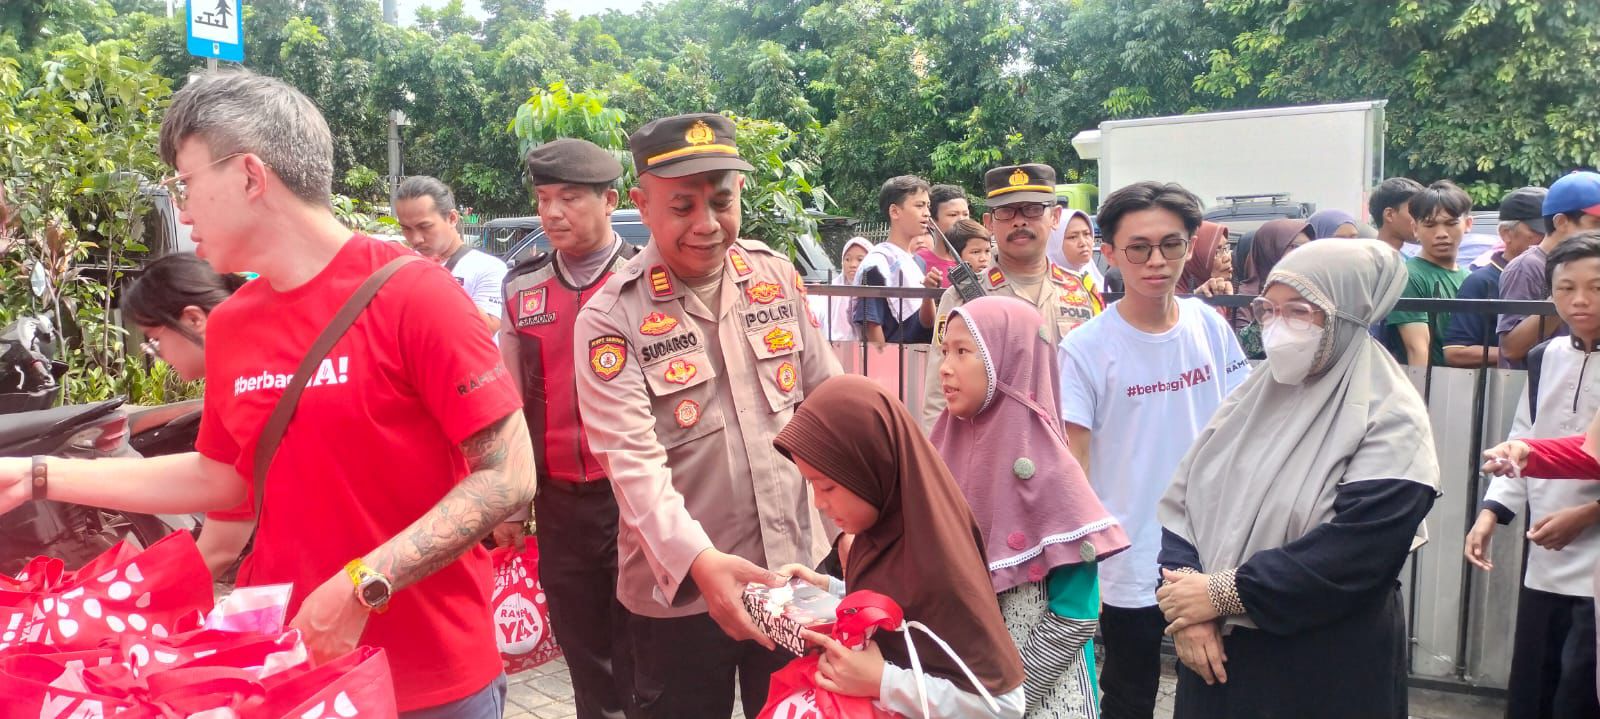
{"x":372,"y":588}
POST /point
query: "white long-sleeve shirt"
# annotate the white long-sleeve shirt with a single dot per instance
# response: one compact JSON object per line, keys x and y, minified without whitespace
{"x":1569,"y":396}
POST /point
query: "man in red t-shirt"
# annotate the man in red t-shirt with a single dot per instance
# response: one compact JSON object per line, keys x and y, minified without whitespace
{"x":407,"y":447}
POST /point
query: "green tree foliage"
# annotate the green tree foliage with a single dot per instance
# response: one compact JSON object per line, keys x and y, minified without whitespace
{"x":77,"y":152}
{"x":1493,"y":92}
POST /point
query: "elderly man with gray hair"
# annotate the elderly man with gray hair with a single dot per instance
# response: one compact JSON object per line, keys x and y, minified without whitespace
{"x":426,"y":210}
{"x":407,"y":445}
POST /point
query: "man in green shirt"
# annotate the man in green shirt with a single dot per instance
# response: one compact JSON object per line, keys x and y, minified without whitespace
{"x":1442,"y":214}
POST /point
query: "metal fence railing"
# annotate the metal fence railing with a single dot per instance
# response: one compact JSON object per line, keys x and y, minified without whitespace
{"x":1459,"y":618}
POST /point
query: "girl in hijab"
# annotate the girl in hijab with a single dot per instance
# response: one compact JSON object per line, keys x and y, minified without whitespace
{"x":1289,"y":520}
{"x":1272,"y":241}
{"x":1209,"y":270}
{"x":874,"y":473}
{"x":1043,"y":526}
{"x":838,"y":311}
{"x":1071,"y":245}
{"x":1333,"y":223}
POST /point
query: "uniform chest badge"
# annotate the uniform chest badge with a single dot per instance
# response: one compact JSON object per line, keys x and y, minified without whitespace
{"x":787,"y":377}
{"x":779,"y":339}
{"x":680,"y":372}
{"x":996,"y":277}
{"x":531,"y":302}
{"x":657,"y":323}
{"x":687,"y":413}
{"x":765,"y":293}
{"x":607,"y":356}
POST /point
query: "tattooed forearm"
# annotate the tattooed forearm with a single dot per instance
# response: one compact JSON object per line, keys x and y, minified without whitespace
{"x":500,"y":459}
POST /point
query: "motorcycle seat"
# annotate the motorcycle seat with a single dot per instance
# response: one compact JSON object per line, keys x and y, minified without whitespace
{"x":27,"y":433}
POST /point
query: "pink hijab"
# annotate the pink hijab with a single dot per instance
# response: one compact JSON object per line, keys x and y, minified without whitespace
{"x":1030,"y":497}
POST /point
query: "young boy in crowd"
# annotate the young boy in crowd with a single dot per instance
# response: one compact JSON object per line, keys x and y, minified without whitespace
{"x":1390,"y":214}
{"x":904,"y":202}
{"x":1138,"y":384}
{"x":1553,"y":653}
{"x":1442,"y":215}
{"x":1471,"y":340}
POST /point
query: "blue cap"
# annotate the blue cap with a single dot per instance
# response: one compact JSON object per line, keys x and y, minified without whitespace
{"x":1577,"y":192}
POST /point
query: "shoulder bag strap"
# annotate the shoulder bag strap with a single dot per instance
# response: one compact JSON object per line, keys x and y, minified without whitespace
{"x":450,"y":264}
{"x":283,"y":411}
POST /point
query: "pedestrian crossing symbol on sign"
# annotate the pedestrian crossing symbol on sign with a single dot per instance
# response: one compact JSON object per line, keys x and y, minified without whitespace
{"x":215,"y":29}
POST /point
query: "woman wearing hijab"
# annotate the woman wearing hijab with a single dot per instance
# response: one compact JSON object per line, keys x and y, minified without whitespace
{"x":1071,"y":245}
{"x":874,"y":473}
{"x":1043,"y":527}
{"x":1209,"y":270}
{"x":1334,"y":223}
{"x":838,"y":311}
{"x":1289,"y":520}
{"x":1272,"y":242}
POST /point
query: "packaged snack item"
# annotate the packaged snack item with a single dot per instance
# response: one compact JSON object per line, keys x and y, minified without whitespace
{"x":783,"y":611}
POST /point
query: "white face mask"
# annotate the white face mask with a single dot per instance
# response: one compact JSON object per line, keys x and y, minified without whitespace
{"x":1291,"y":352}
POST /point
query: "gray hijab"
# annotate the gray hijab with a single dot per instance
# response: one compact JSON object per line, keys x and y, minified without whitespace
{"x":1266,"y":469}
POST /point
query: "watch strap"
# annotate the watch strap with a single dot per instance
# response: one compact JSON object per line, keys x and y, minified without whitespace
{"x":40,"y":477}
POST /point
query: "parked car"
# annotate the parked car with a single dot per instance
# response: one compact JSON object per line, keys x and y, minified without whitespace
{"x":514,"y":239}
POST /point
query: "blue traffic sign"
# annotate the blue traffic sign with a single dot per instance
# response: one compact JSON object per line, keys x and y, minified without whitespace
{"x":215,"y":29}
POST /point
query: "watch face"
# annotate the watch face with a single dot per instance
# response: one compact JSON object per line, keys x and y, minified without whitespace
{"x":374,"y":593}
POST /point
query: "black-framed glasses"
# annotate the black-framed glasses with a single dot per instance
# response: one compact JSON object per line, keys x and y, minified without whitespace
{"x":1031,"y":210}
{"x":178,"y":185}
{"x":1172,"y":249}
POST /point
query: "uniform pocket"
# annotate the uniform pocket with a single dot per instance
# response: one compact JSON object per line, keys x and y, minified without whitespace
{"x":682,"y":391}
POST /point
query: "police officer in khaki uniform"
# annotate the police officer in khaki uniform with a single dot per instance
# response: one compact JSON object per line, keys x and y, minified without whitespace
{"x":690,"y":360}
{"x":574,"y":182}
{"x":1022,"y":213}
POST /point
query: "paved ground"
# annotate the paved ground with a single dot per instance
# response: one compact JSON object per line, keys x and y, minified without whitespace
{"x":546,"y":693}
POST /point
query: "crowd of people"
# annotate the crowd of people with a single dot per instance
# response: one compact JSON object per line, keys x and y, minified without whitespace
{"x":1083,"y":480}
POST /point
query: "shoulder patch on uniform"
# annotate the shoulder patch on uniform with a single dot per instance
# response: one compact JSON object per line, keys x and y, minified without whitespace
{"x":530,"y":264}
{"x":996,"y":277}
{"x":607,"y":356}
{"x":1057,"y":274}
{"x":660,"y":281}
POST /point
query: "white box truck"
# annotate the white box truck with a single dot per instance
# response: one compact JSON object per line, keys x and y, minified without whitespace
{"x":1330,"y":156}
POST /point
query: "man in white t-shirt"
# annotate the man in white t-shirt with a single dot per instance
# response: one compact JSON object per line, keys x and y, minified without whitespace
{"x":1138,"y":383}
{"x":426,"y":209}
{"x":904,"y":201}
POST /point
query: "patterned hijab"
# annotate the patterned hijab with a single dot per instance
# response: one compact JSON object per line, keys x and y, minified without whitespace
{"x":1029,"y":496}
{"x":1266,"y":469}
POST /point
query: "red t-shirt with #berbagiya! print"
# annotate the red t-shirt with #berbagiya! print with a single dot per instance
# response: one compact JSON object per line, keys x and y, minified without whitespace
{"x":373,"y":446}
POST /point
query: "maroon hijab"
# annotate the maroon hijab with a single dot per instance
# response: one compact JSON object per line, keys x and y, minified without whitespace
{"x":1203,"y":258}
{"x":925,"y":551}
{"x":1029,"y":495}
{"x":1271,"y":243}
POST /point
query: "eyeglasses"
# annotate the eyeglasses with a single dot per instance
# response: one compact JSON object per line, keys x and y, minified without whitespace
{"x":1299,"y":315}
{"x":1032,"y":211}
{"x":151,"y":347}
{"x":178,"y":185}
{"x":1173,"y":249}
